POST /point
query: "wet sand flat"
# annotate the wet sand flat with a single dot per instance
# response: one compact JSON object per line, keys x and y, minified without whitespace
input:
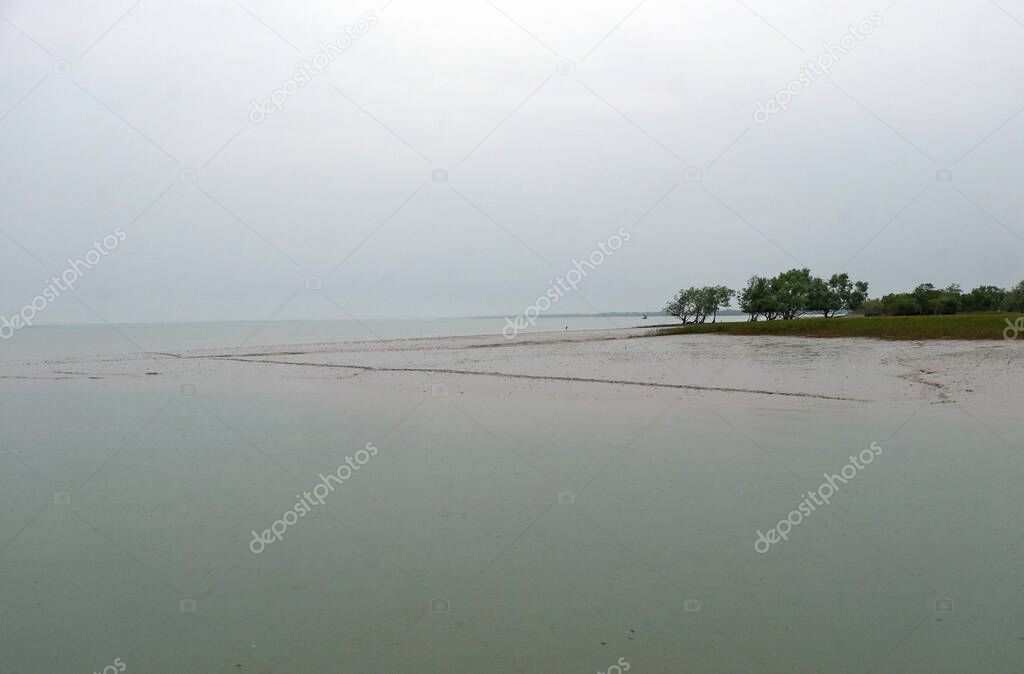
{"x":552,"y":503}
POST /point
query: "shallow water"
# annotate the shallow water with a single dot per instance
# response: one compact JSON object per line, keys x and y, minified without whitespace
{"x":503,"y":525}
{"x":63,"y":341}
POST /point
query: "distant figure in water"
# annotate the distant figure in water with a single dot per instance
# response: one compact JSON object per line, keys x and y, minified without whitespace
{"x":567,"y":327}
{"x":644,"y":317}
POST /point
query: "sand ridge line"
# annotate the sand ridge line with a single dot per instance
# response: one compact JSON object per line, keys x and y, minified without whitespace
{"x":420,"y":344}
{"x":570,"y":340}
{"x":588,"y":380}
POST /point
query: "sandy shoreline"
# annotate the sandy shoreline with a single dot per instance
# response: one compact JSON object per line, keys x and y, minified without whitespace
{"x":594,"y":478}
{"x":853,"y":370}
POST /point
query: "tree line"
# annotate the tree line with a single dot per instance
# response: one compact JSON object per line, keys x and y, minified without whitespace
{"x":927,"y":299}
{"x":794,"y":293}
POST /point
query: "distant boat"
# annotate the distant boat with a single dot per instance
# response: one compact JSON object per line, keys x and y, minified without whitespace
{"x":644,"y":316}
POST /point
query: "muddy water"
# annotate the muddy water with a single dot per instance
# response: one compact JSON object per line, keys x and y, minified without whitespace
{"x":55,"y":341}
{"x":511,"y":524}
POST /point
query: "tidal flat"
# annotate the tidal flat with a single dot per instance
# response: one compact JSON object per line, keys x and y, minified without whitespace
{"x":554,"y":503}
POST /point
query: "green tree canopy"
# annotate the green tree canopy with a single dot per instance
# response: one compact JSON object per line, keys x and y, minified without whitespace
{"x":694,"y":305}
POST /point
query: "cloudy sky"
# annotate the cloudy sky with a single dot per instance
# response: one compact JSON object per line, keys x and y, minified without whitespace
{"x":557,"y":122}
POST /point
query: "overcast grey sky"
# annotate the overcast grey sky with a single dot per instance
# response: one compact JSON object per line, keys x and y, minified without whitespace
{"x":542,"y":164}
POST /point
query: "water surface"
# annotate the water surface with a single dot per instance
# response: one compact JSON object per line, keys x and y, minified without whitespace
{"x":504,"y":525}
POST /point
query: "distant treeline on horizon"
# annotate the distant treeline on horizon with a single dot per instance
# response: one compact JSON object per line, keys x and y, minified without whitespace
{"x":795,"y":293}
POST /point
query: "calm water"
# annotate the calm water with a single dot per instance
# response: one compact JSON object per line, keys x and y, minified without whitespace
{"x":126,"y":514}
{"x":56,"y":341}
